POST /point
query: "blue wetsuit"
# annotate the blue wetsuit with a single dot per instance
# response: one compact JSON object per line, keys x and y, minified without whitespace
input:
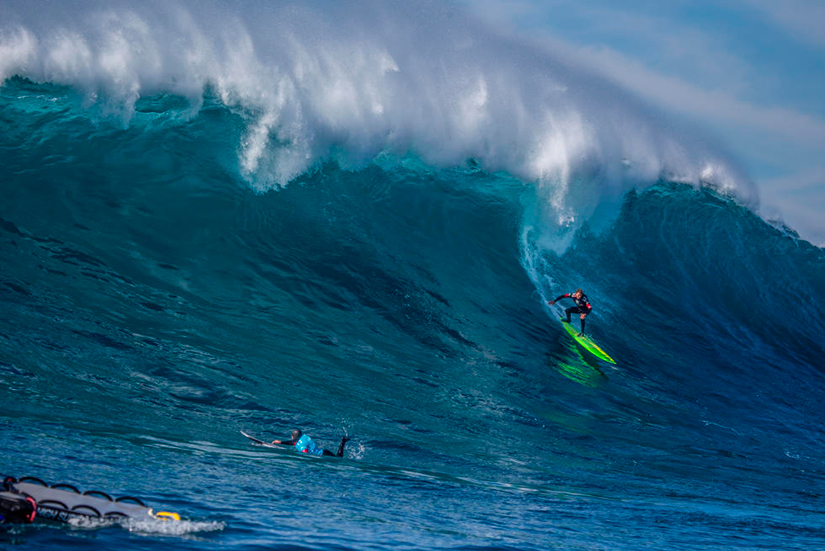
{"x":305,"y":444}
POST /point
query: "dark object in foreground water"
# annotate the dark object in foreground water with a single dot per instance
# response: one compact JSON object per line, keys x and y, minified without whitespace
{"x":23,"y":500}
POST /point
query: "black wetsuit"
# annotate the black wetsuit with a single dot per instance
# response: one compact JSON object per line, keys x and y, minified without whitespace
{"x":340,"y":452}
{"x":582,"y":306}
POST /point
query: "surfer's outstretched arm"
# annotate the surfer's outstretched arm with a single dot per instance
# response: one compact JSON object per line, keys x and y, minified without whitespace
{"x":558,"y":298}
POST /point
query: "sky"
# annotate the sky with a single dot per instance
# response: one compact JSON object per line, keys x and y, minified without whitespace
{"x":751,"y":73}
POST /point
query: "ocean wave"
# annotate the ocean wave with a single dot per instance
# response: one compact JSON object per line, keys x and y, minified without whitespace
{"x":156,"y":302}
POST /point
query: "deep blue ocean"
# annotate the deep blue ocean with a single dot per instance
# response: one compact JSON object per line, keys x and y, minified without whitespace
{"x":354,"y":229}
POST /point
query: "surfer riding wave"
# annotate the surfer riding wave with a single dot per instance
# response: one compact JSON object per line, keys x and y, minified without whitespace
{"x":582,"y":306}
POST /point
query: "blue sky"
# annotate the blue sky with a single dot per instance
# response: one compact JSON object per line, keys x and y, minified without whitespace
{"x":750,"y":72}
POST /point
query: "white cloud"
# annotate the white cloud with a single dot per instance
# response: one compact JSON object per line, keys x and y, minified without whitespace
{"x":671,"y":77}
{"x":715,"y":106}
{"x":803,"y":20}
{"x":799,"y":200}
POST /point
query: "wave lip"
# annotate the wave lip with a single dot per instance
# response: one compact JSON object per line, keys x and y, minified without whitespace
{"x":314,"y":82}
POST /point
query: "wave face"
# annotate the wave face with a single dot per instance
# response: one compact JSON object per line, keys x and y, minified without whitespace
{"x":162,"y":287}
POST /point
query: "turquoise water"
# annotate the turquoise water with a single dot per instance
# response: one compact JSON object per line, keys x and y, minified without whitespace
{"x":166,"y":284}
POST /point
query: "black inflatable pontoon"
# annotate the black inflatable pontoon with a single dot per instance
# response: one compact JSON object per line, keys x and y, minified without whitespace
{"x":23,"y":500}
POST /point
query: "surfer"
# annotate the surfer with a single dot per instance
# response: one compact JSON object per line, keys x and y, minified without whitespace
{"x":582,"y":306}
{"x":305,"y":444}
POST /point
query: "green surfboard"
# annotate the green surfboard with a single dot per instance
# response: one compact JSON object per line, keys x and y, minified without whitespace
{"x":587,"y":343}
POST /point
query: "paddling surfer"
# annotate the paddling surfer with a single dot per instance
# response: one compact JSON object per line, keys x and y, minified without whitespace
{"x":582,"y":306}
{"x":305,"y":444}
